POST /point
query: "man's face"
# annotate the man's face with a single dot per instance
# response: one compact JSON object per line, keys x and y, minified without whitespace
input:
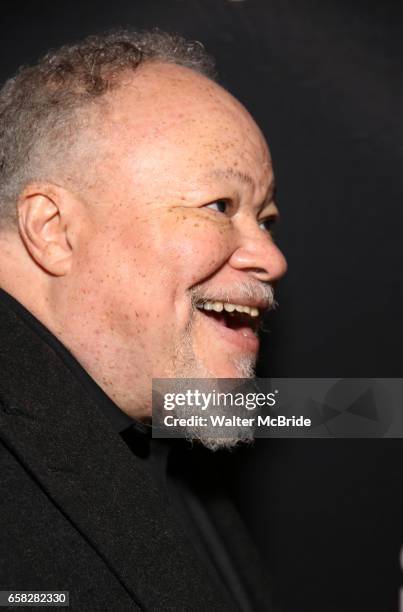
{"x":178,"y":216}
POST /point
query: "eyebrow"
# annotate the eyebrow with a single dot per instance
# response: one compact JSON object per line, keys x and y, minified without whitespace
{"x":231,"y":173}
{"x":243,"y":177}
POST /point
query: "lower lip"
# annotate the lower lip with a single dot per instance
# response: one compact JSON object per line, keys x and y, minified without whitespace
{"x":244,"y":339}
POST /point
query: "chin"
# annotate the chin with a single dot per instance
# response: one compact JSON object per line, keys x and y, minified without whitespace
{"x":240,"y":366}
{"x":192,"y":361}
{"x":216,"y":444}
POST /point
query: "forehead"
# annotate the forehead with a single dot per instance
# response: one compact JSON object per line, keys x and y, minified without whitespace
{"x":186,"y":124}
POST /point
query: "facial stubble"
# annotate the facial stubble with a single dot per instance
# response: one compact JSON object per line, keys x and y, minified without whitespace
{"x":187,"y":365}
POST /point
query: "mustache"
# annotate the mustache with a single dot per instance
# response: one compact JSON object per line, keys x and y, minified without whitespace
{"x":237,"y":292}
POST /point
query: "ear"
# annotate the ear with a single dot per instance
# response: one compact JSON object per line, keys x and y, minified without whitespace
{"x":45,"y":214}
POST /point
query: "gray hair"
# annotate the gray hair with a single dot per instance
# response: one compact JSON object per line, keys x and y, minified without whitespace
{"x":39,"y":106}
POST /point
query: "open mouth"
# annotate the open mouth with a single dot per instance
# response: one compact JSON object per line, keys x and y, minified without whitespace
{"x":239,"y":323}
{"x":234,"y":316}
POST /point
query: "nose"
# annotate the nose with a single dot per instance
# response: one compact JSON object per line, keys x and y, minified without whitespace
{"x":259,"y":256}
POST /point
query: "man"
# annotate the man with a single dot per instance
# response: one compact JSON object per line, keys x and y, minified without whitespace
{"x":134,"y":191}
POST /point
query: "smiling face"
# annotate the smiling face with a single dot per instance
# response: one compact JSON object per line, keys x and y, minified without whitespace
{"x":177,"y":235}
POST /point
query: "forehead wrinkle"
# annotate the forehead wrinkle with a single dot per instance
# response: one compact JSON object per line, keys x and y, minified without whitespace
{"x":242,"y":177}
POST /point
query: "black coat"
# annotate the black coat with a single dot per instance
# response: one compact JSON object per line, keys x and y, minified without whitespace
{"x":79,"y":512}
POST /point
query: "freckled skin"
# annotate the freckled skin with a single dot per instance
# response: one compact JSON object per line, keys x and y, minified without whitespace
{"x":149,"y":237}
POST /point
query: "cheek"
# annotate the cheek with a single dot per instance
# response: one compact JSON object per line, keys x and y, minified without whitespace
{"x":109,"y":275}
{"x":193,"y":246}
{"x":141,"y":274}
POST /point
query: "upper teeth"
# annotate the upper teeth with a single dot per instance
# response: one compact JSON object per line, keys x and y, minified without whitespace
{"x":220,"y":306}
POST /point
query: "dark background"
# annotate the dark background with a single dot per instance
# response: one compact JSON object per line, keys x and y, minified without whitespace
{"x":323,"y":80}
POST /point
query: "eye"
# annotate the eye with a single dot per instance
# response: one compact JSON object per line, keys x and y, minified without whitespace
{"x":219,"y":206}
{"x":267,"y":225}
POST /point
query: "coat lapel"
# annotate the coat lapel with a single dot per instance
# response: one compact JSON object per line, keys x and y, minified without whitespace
{"x":88,"y":472}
